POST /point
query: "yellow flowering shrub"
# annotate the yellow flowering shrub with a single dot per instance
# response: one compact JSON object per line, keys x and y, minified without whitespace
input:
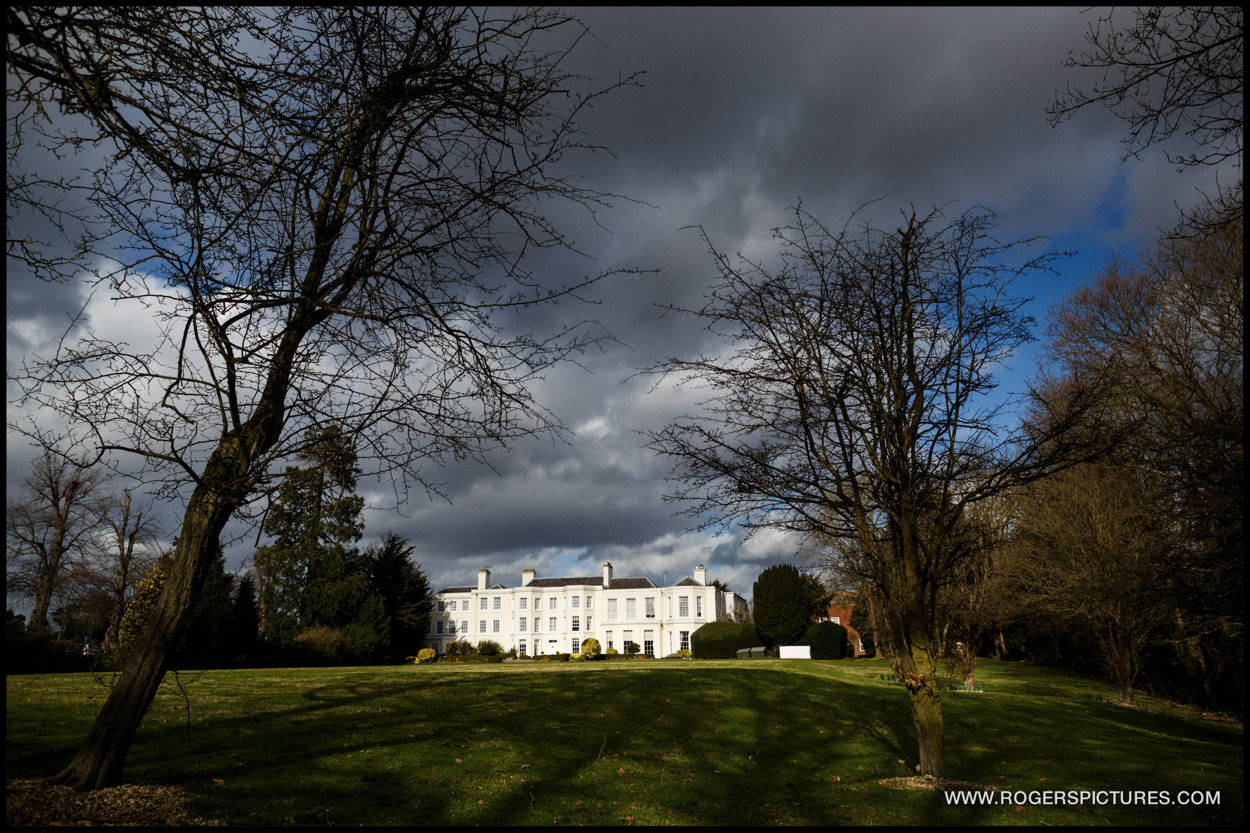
{"x":140,"y":609}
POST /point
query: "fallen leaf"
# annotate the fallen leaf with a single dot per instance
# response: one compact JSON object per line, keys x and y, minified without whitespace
{"x":219,"y":782}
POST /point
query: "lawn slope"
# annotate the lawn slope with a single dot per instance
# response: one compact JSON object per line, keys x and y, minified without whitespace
{"x":666,"y":742}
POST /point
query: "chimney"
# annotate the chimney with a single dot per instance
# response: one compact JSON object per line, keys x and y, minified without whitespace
{"x":526,"y":577}
{"x":483,"y":579}
{"x":700,"y":574}
{"x":607,"y":574}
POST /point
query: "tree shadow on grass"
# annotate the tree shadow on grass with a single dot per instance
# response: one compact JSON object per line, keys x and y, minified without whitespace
{"x":655,"y":743}
{"x":664,"y":744}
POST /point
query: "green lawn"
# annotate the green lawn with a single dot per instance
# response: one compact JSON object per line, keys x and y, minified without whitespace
{"x":720,"y":742}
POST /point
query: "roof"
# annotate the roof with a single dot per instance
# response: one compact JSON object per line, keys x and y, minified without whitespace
{"x":635,"y":583}
{"x":688,"y":582}
{"x":593,"y":581}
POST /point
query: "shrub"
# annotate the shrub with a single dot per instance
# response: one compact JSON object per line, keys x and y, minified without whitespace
{"x":427,"y":655}
{"x":140,"y":609}
{"x":38,"y":651}
{"x":322,"y":644}
{"x":460,"y":648}
{"x":611,"y":652}
{"x":721,"y":640}
{"x":490,"y":648}
{"x":827,"y":640}
{"x":590,"y":648}
{"x":631,"y":648}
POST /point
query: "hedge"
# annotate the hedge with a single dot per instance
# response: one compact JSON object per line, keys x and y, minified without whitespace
{"x":721,"y":640}
{"x":827,"y":640}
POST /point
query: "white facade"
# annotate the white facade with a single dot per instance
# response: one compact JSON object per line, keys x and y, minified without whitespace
{"x":555,"y":615}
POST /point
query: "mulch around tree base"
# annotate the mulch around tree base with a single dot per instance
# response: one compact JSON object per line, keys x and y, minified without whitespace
{"x":32,"y":802}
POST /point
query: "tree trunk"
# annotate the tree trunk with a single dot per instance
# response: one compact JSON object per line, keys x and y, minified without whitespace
{"x":1122,"y":671}
{"x":919,"y":659}
{"x":921,"y":680}
{"x":98,"y":763}
{"x":970,"y":669}
{"x":43,"y":600}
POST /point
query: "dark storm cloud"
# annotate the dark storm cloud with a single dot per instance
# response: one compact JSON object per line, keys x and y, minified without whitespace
{"x":742,"y":112}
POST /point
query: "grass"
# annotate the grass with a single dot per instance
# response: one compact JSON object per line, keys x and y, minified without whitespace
{"x":672,"y":742}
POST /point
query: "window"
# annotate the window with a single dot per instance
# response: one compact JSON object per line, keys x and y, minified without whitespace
{"x":577,"y":600}
{"x":588,"y":624}
{"x":590,"y":602}
{"x":631,"y":608}
{"x":441,"y":606}
{"x":438,"y":627}
{"x":683,"y":606}
{"x":685,"y":640}
{"x":464,"y":625}
{"x":837,"y":620}
{"x":669,"y":607}
{"x":608,"y":636}
{"x":551,"y":604}
{"x":495,"y":605}
{"x":626,"y":638}
{"x":451,"y":628}
{"x":650,"y":603}
{"x":648,"y":642}
{"x":698,"y":607}
{"x":577,"y":623}
{"x":520,"y":647}
{"x":451,"y":606}
{"x":577,"y":644}
{"x":481,"y":626}
{"x":521,"y":624}
{"x":538,"y":624}
{"x":481,"y":603}
{"x":521,"y":602}
{"x":611,"y":608}
{"x":551,"y":623}
{"x":494,"y":626}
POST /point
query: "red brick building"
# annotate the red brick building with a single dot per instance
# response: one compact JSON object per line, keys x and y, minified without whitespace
{"x":840,"y":614}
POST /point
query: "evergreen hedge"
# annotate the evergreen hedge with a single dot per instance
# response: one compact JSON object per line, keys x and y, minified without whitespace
{"x":721,"y":640}
{"x":827,"y":640}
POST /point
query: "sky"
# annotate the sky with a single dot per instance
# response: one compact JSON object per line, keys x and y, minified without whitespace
{"x":741,"y":113}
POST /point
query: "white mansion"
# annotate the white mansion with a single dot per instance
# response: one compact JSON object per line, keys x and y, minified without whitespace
{"x":554,"y":615}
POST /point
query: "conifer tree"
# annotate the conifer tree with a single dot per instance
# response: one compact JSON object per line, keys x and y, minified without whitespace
{"x":781,"y":605}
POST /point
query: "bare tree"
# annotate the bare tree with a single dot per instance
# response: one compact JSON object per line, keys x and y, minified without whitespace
{"x":1174,"y":69}
{"x":1166,"y":334}
{"x":117,"y":558}
{"x":1094,"y":554}
{"x":326,"y":210}
{"x":48,"y":527}
{"x":971,"y":602}
{"x":850,"y":404}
